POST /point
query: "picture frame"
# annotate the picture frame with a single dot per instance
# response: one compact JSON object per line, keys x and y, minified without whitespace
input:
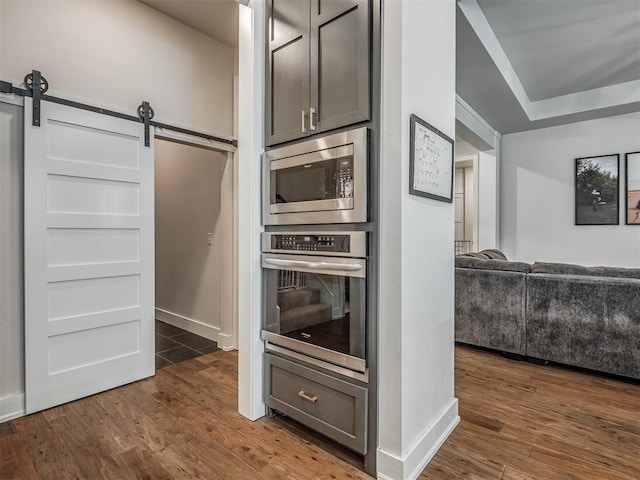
{"x":632,"y":188}
{"x":431,"y":160}
{"x":597,"y":190}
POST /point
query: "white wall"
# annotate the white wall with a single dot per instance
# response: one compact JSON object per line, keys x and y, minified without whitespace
{"x":537,"y":194}
{"x":112,"y":53}
{"x":417,"y":408}
{"x":119,"y":53}
{"x":470,"y":219}
{"x":487,"y":198}
{"x":464,"y":149}
{"x":192,"y":199}
{"x":11,"y":292}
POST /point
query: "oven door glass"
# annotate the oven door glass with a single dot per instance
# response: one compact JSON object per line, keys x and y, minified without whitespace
{"x":319,"y":313}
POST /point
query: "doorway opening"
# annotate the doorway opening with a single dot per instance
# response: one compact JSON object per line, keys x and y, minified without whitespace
{"x":193,"y":250}
{"x":475,"y":198}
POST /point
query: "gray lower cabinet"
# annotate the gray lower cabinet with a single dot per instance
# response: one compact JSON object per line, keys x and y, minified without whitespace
{"x":331,"y":406}
{"x":318,"y":66}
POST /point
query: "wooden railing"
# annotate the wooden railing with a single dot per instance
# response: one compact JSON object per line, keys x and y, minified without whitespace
{"x":462,"y":246}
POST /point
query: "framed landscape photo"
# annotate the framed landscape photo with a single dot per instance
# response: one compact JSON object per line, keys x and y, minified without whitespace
{"x":632,"y":184}
{"x":430,"y":162}
{"x":597,"y":190}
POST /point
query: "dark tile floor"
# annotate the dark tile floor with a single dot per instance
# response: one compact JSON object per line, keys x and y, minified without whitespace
{"x":174,"y":345}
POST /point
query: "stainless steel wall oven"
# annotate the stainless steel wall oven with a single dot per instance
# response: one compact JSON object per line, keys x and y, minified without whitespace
{"x":318,"y":181}
{"x":315,"y":298}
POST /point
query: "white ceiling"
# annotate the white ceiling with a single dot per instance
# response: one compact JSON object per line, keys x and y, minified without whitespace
{"x":216,"y":18}
{"x":533,"y":63}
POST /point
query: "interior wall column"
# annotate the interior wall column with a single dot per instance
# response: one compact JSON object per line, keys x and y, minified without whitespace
{"x":247,"y":199}
{"x":417,"y":407}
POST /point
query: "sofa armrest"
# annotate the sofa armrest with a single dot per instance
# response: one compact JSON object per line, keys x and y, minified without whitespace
{"x":492,"y":264}
{"x":490,"y":309}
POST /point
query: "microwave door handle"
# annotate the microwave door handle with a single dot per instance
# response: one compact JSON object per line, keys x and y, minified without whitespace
{"x":347,"y":267}
{"x":312,"y":119}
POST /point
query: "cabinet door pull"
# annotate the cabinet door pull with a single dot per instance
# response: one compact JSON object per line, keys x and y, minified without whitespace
{"x":312,"y":119}
{"x":302,"y":394}
{"x":303,"y":126}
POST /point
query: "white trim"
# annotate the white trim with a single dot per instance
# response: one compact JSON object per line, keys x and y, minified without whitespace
{"x":188,"y":324}
{"x":227,"y":338}
{"x":247,"y":198}
{"x":595,"y":99}
{"x":12,"y":99}
{"x":466,"y":159}
{"x":12,"y":407}
{"x":480,"y":25}
{"x":498,"y":154}
{"x":476,"y":201}
{"x":474,"y":122}
{"x":409,"y":467}
{"x":226,"y":342}
{"x":179,"y":137}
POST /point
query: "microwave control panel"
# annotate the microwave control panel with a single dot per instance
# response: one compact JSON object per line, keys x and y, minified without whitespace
{"x":345,"y":178}
{"x":312,"y":243}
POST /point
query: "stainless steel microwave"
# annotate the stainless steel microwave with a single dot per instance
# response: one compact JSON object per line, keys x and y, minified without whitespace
{"x":317,"y":181}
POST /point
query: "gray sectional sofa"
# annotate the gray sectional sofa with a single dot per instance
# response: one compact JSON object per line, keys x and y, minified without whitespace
{"x":582,"y":316}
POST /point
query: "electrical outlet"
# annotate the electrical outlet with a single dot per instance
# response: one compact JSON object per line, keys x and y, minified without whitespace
{"x":210,"y":238}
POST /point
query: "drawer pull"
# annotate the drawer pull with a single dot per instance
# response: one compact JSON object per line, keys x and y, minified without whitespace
{"x":302,"y":394}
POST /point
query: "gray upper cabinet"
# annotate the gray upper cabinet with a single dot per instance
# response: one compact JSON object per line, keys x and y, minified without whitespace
{"x":287,"y":70}
{"x":318,"y":66}
{"x":339,"y":81}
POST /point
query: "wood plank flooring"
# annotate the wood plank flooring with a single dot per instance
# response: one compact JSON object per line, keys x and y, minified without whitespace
{"x":527,"y":422}
{"x":519,"y":422}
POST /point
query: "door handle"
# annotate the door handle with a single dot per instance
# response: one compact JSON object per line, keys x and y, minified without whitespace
{"x":308,"y":398}
{"x":312,"y":119}
{"x":347,"y":267}
{"x":303,"y":126}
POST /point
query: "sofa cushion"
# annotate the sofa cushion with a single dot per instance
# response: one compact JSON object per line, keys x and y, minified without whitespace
{"x":571,"y":269}
{"x":614,"y":272}
{"x":470,"y":262}
{"x":494,"y":254}
{"x":558,"y":268}
{"x":479,"y":255}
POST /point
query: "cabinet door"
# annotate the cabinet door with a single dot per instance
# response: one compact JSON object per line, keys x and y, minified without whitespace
{"x":340,"y":51}
{"x":287,"y":82}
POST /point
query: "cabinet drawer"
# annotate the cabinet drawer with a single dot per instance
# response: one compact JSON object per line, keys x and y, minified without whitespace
{"x":331,"y":406}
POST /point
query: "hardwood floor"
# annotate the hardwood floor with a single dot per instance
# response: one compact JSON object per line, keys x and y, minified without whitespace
{"x":523,"y":422}
{"x":519,"y":422}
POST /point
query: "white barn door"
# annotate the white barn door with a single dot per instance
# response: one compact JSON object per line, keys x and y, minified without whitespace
{"x":89,"y":254}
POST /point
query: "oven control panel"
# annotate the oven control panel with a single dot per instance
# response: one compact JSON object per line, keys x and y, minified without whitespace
{"x":330,"y":244}
{"x":312,"y":243}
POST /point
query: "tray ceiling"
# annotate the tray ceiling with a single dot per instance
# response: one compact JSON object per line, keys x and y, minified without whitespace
{"x":534,"y":63}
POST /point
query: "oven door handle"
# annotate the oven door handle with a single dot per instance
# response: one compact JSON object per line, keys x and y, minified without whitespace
{"x":346,"y":267}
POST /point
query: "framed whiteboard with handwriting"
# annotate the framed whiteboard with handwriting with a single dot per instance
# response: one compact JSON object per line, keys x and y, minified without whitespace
{"x":430,"y":162}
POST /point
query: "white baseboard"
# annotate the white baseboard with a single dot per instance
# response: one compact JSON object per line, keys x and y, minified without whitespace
{"x":11,"y":407}
{"x":226,"y":342}
{"x":391,"y":467}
